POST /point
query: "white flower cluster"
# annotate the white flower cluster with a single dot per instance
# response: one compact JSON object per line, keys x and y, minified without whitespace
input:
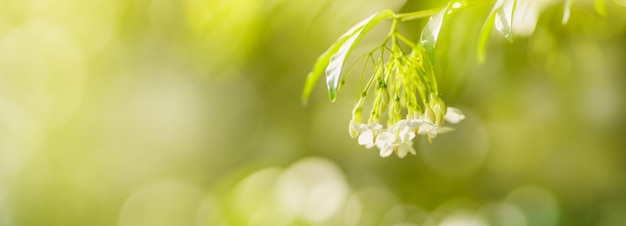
{"x":405,"y":99}
{"x":398,"y":138}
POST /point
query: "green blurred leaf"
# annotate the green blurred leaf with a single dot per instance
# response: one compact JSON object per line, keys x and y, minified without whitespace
{"x":504,"y":18}
{"x":501,"y":16}
{"x":566,"y":11}
{"x":430,"y":32}
{"x":600,"y":6}
{"x":331,"y":61}
{"x":484,"y":36}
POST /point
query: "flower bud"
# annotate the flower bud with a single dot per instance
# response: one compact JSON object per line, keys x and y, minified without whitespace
{"x":438,"y":115}
{"x":429,"y":115}
{"x":356,"y":123}
{"x":352,"y":129}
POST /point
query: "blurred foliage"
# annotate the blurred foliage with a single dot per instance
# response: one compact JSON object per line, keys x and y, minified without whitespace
{"x":188,"y":113}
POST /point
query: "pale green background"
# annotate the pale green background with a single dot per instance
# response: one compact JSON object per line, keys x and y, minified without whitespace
{"x":187,"y":112}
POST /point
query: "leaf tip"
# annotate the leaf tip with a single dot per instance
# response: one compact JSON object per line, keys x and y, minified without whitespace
{"x":332,"y":95}
{"x":509,"y":38}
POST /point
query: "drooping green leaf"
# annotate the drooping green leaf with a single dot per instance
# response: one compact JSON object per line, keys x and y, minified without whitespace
{"x":338,"y":52}
{"x":318,"y":70}
{"x":484,"y":36}
{"x":501,"y":16}
{"x":333,"y":70}
{"x":566,"y":11}
{"x":322,"y":61}
{"x":337,"y":60}
{"x":504,"y":18}
{"x":430,"y":32}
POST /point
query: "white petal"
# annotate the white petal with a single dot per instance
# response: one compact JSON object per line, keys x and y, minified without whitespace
{"x":354,"y":129}
{"x":414,"y":123}
{"x":407,"y":135}
{"x":385,"y":136}
{"x":432,"y":135}
{"x":398,"y":138}
{"x":400,"y":125}
{"x":367,"y":139}
{"x":426,"y":129}
{"x":385,"y":139}
{"x":375,"y":127}
{"x":359,"y":127}
{"x":401,"y":152}
{"x":411,"y":149}
{"x":444,"y":129}
{"x":386,"y":151}
{"x":454,"y":115}
{"x":406,"y":148}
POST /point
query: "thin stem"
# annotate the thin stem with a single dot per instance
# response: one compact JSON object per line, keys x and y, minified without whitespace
{"x":358,"y":90}
{"x":343,"y":81}
{"x":405,"y":40}
{"x":377,"y":68}
{"x":418,"y":14}
{"x":429,"y":12}
{"x":386,"y":48}
{"x":394,"y":35}
{"x":369,"y":84}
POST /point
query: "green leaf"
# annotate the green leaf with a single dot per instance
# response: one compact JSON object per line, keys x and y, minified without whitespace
{"x":331,"y":61}
{"x":504,"y":18}
{"x":430,"y":32}
{"x":501,"y":16}
{"x":333,"y":70}
{"x":320,"y":65}
{"x":484,"y":36}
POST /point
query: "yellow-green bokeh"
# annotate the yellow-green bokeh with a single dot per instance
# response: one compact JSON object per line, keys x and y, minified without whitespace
{"x":188,"y":113}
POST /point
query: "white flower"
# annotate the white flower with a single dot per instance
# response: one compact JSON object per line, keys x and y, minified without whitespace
{"x":414,"y":124}
{"x":404,"y":148}
{"x":431,"y":129}
{"x":384,"y":141}
{"x":369,"y":136}
{"x":356,"y":128}
{"x":399,"y":140}
{"x":453,"y":115}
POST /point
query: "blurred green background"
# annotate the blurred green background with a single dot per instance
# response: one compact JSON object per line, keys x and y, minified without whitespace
{"x":188,"y":112}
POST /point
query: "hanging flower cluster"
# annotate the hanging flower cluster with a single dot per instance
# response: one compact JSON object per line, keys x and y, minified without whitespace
{"x":405,"y":104}
{"x":402,"y":90}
